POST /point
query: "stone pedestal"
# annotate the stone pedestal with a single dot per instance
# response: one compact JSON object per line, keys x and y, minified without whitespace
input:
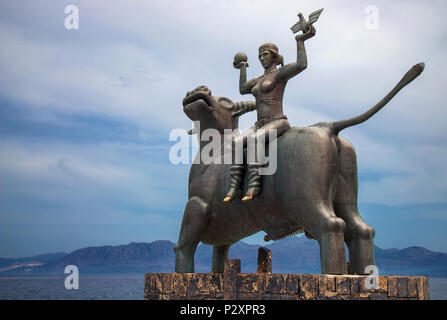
{"x":253,"y":286}
{"x":233,"y":285}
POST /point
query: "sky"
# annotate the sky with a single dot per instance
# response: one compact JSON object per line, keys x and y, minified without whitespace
{"x":85,"y":114}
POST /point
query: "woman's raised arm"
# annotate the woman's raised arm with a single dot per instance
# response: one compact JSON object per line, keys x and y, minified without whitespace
{"x":244,"y":85}
{"x":292,"y":69}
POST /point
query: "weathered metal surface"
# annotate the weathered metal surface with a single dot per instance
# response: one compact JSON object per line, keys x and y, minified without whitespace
{"x":314,"y":188}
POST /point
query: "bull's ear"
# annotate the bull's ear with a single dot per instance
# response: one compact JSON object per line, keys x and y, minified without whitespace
{"x":226,"y":103}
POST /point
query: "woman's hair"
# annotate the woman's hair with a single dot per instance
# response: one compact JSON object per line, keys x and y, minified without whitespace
{"x":274,"y":50}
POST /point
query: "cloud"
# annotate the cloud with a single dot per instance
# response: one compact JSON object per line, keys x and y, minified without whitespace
{"x":103,"y":175}
{"x":404,"y":175}
{"x":92,"y":108}
{"x":138,"y":63}
{"x":98,"y":193}
{"x":58,"y":164}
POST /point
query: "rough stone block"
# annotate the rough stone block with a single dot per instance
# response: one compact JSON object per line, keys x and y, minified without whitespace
{"x":292,"y":285}
{"x":159,"y":282}
{"x":192,"y":289}
{"x":308,"y":286}
{"x":426,"y":289}
{"x":383,"y":285}
{"x":330,"y":283}
{"x":343,"y":285}
{"x":210,"y":283}
{"x":412,"y":288}
{"x":149,"y":283}
{"x":264,"y":260}
{"x":232,"y":268}
{"x":392,"y":287}
{"x":250,"y":282}
{"x":326,"y":287}
{"x":203,"y":285}
{"x":322,"y":285}
{"x":402,"y":287}
{"x":354,"y":287}
{"x":422,"y":288}
{"x":166,"y":282}
{"x":180,"y":284}
{"x":275,"y":283}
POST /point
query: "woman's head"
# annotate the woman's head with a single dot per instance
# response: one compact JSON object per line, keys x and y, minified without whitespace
{"x":268,"y":55}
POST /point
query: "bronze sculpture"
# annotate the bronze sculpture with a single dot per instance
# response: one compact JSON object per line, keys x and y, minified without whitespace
{"x":268,"y":89}
{"x":314,"y":189}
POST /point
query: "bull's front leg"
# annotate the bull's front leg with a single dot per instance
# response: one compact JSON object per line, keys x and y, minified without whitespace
{"x":193,"y":224}
{"x":220,"y":255}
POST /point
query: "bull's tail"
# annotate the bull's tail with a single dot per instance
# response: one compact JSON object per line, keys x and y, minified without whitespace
{"x":412,"y":74}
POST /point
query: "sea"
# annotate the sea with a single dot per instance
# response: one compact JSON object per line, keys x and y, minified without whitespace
{"x":110,"y":287}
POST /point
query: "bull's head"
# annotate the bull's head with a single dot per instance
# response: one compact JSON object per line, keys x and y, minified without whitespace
{"x":212,"y":112}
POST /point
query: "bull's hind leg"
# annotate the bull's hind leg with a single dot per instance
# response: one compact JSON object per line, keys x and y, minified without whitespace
{"x":358,"y":236}
{"x":320,"y":221}
{"x":220,"y":255}
{"x":193,"y":224}
{"x":331,"y":241}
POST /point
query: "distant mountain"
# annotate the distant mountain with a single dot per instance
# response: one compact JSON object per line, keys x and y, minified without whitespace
{"x":24,"y":265}
{"x":156,"y":256}
{"x":412,"y":260}
{"x":292,"y":255}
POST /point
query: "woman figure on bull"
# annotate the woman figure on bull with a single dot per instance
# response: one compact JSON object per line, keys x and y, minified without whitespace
{"x":268,"y":91}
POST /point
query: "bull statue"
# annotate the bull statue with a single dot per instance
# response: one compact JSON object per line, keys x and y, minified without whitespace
{"x":314,"y":190}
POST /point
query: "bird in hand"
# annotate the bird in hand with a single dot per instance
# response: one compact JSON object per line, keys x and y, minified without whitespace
{"x":304,"y":25}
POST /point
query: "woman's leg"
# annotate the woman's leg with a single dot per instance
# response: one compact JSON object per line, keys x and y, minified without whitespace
{"x":263,"y":135}
{"x":237,"y":168}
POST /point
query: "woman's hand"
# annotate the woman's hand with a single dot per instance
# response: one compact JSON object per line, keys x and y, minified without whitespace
{"x":240,"y":60}
{"x":309,"y":34}
{"x":240,"y":65}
